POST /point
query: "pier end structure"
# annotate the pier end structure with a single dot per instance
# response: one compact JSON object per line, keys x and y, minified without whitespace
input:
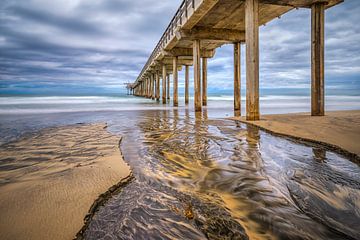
{"x":199,"y":27}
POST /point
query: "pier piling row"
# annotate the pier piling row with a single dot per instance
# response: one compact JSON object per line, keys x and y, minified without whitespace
{"x":199,"y":27}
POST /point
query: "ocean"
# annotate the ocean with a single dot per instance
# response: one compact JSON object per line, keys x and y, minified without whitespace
{"x":21,"y":114}
{"x":269,"y":104}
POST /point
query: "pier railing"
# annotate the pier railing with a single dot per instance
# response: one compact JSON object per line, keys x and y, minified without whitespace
{"x":185,"y":10}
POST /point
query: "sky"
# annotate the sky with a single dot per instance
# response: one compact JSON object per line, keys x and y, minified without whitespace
{"x":93,"y":47}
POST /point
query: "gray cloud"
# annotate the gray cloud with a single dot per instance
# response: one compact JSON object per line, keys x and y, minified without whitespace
{"x":106,"y":43}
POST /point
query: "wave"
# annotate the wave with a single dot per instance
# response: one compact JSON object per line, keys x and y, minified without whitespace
{"x":56,"y":104}
{"x":65,"y":100}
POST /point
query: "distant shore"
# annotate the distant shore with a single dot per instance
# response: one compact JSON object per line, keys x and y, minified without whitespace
{"x":50,"y":180}
{"x":338,"y":129}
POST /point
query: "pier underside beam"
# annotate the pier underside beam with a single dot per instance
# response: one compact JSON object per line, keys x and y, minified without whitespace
{"x":237,"y":78}
{"x":187,"y":52}
{"x":317,"y":59}
{"x":206,"y":33}
{"x":252,"y":59}
{"x":301,"y":3}
{"x":169,"y":62}
{"x":197,"y":73}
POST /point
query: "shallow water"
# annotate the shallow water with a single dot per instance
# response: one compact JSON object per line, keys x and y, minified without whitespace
{"x":203,"y":178}
{"x":199,"y":177}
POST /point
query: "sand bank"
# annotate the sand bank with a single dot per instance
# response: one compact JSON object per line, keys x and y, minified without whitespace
{"x":49,"y":181}
{"x":340,"y":129}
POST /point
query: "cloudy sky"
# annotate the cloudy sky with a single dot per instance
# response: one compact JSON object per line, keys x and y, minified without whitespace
{"x":94,"y":46}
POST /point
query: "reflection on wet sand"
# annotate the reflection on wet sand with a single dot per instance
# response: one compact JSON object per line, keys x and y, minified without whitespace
{"x":49,"y":180}
{"x":204,"y":178}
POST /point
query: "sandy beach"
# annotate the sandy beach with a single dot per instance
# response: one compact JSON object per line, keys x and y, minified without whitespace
{"x":49,"y":181}
{"x":338,"y":128}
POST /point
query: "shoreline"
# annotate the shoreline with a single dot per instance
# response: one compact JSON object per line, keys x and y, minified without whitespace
{"x":332,"y":130}
{"x":100,"y":201}
{"x":51,"y":179}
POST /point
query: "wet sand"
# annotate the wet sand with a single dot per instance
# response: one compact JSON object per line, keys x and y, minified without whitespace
{"x":201,"y":178}
{"x":340,"y":128}
{"x":48,"y":181}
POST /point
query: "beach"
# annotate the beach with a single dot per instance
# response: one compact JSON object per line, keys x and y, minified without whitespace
{"x":340,"y":129}
{"x":50,"y":179}
{"x":193,"y":176}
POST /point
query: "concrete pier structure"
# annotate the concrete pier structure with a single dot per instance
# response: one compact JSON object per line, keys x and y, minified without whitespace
{"x":199,"y":27}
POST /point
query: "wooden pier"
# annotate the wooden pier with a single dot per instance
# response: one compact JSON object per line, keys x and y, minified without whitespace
{"x":199,"y":27}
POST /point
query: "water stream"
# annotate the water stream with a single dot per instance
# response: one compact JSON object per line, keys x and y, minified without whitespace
{"x":200,"y":177}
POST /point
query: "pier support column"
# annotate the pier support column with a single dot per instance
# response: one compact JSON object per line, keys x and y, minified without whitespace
{"x":144,"y":88}
{"x":252,"y":59}
{"x":197,"y":77}
{"x":186,"y":84}
{"x":204,"y":81}
{"x":164,"y":84}
{"x":157,"y":87}
{"x":147,"y":87}
{"x":152,"y":86}
{"x":168,"y":87}
{"x":317,"y":59}
{"x":175,"y":81}
{"x":237,"y":79}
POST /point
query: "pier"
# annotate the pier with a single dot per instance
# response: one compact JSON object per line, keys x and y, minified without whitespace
{"x":199,"y":27}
